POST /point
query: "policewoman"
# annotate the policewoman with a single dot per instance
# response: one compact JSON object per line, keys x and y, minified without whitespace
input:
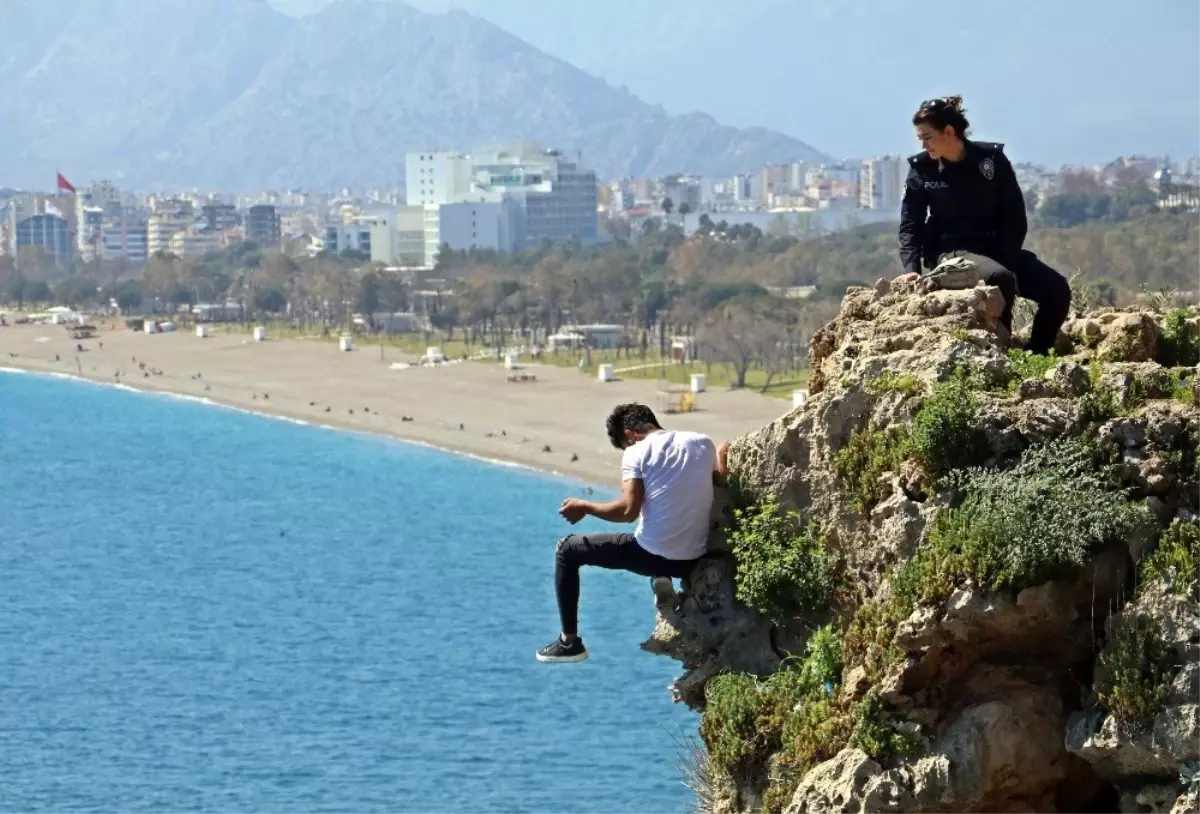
{"x":962,"y":198}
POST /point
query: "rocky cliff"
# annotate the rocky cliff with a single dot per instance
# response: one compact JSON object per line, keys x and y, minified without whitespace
{"x":960,"y":578}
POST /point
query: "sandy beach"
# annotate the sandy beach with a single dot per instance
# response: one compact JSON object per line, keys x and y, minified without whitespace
{"x":555,"y":423}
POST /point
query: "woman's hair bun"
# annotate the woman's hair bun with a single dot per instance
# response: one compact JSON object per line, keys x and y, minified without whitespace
{"x":943,"y":112}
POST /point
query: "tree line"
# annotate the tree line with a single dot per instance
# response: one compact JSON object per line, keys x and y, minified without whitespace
{"x":725,"y":289}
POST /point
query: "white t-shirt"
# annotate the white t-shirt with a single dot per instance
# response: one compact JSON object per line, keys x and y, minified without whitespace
{"x":676,"y":470}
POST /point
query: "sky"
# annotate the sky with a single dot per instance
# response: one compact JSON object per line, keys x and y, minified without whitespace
{"x":1058,"y":81}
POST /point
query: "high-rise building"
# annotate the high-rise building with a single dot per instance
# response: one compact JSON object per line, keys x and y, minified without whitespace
{"x":683,"y":189}
{"x":262,"y":225}
{"x":126,"y":240}
{"x":557,"y":196}
{"x":161,"y":226}
{"x":218,"y":217}
{"x":90,"y":233}
{"x":881,"y":183}
{"x":194,"y":242}
{"x":353,"y":236}
{"x":432,"y":178}
{"x":49,"y":232}
{"x":776,"y":180}
{"x":538,"y":194}
{"x":399,"y":240}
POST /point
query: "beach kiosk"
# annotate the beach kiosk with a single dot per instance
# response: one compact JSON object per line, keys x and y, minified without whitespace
{"x":346,"y":343}
{"x":260,"y":333}
{"x":677,"y":399}
{"x":606,"y":373}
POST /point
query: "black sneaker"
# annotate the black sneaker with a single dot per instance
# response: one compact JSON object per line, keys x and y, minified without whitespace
{"x":558,"y":652}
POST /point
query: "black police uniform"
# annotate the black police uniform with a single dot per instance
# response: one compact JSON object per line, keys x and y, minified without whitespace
{"x":974,"y":206}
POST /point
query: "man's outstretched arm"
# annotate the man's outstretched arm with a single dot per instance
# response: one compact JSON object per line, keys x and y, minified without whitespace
{"x":721,"y":470}
{"x":625,"y":509}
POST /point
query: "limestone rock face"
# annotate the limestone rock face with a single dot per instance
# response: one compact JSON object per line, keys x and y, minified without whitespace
{"x":706,"y":630}
{"x":995,"y":686}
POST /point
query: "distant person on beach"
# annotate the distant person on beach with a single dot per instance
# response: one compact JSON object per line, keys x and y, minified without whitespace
{"x":667,"y":479}
{"x":962,"y":199}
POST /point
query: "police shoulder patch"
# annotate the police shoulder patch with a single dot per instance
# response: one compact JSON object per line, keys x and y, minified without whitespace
{"x":988,"y":167}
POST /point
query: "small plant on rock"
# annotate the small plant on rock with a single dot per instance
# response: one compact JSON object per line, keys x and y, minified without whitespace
{"x":868,"y":454}
{"x":906,"y":384}
{"x":1134,"y":671}
{"x":1098,"y":404}
{"x":1026,"y":365}
{"x":944,"y":436}
{"x":1179,"y":342}
{"x":1175,"y":561}
{"x":1181,"y":388}
{"x":875,"y":733}
{"x":784,"y":568}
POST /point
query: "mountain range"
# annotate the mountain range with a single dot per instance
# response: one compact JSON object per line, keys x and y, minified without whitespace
{"x":1058,"y":81}
{"x":234,"y":94}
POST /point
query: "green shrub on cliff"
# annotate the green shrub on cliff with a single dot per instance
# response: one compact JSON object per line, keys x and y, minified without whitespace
{"x":1134,"y":671}
{"x":944,"y":436}
{"x":1022,"y":526}
{"x":747,"y":719}
{"x":867,"y":455}
{"x":784,"y":568}
{"x":795,"y":715}
{"x":875,"y":733}
{"x":1179,"y":342}
{"x":1175,"y":561}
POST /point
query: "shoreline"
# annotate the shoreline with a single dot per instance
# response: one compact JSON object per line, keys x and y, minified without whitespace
{"x":278,"y":415}
{"x":552,"y":425}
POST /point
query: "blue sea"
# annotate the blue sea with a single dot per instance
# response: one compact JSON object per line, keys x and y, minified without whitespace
{"x":207,"y":610}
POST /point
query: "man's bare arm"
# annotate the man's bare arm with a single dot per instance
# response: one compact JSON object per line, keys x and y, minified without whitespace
{"x":626,"y":508}
{"x":721,"y":473}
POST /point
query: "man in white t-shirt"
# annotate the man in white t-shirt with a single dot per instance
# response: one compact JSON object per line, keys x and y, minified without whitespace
{"x":667,"y":479}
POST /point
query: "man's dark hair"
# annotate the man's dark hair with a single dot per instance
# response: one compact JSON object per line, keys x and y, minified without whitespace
{"x":632,"y":417}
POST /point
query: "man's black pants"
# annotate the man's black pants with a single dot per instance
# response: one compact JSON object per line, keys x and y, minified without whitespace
{"x":1033,"y":280}
{"x":617,"y":551}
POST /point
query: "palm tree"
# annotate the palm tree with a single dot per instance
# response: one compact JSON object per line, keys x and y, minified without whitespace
{"x":684,"y":208}
{"x":667,"y":206}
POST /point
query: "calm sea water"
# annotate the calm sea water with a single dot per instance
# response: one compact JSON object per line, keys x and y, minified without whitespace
{"x":207,"y":610}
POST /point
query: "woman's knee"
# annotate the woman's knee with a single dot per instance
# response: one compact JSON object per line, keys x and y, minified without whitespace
{"x":1004,"y":280}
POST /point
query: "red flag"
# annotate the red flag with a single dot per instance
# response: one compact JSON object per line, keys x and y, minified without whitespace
{"x":64,"y":185}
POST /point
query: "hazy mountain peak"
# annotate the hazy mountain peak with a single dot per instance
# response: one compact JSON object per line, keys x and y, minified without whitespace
{"x":235,"y":94}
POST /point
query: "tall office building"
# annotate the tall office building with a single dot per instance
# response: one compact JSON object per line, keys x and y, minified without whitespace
{"x":49,"y":232}
{"x":262,"y":225}
{"x":881,"y":183}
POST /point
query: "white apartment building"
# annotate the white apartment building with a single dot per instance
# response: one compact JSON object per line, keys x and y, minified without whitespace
{"x":195,"y":242}
{"x":89,"y":232}
{"x":521,"y":193}
{"x":352,"y":236}
{"x":126,"y":242}
{"x":436,"y":178}
{"x":161,"y":226}
{"x":399,"y":240}
{"x":557,"y":196}
{"x":881,"y":183}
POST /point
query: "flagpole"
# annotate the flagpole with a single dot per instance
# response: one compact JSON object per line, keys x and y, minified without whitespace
{"x":12,"y":225}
